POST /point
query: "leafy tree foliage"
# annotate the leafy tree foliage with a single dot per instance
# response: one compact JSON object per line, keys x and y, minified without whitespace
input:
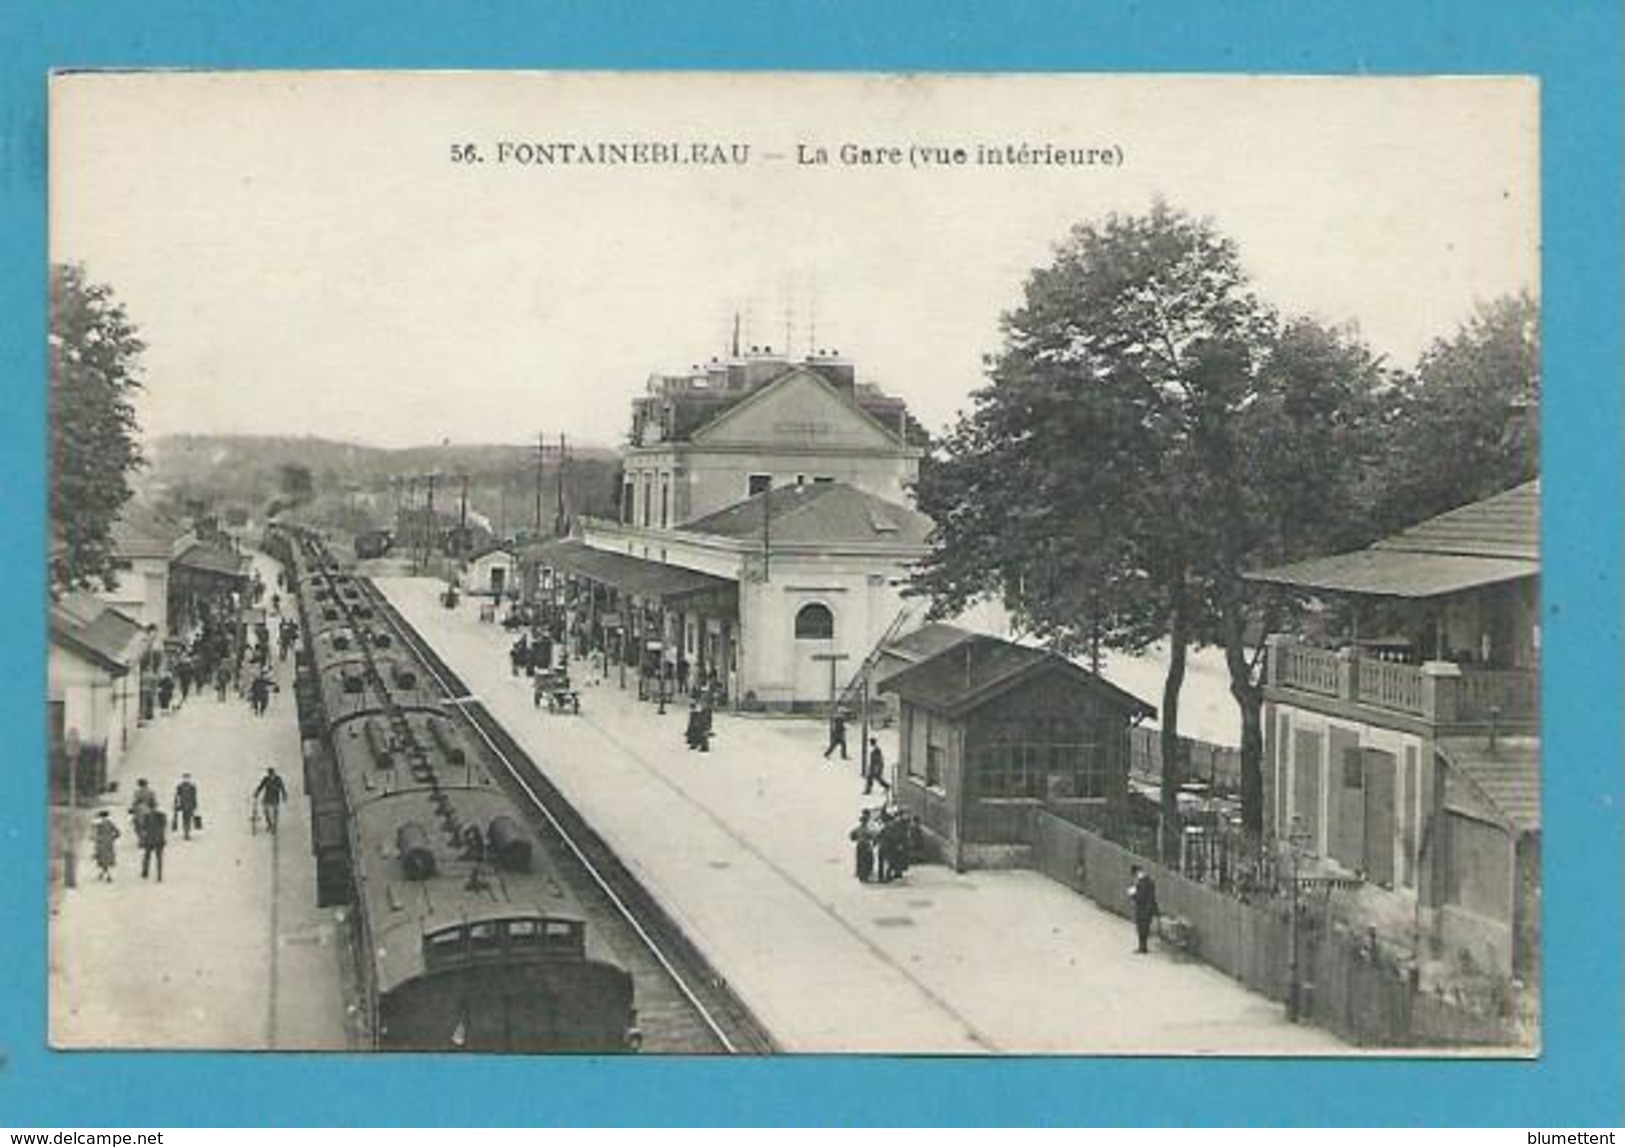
{"x":1079,"y":489}
{"x":1296,"y":478}
{"x":95,"y":365}
{"x":1149,"y":433}
{"x":1466,"y":425}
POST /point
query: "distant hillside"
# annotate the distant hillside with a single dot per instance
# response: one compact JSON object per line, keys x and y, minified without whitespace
{"x":368,"y":482}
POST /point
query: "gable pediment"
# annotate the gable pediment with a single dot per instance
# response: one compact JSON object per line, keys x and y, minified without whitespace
{"x":797,"y":410}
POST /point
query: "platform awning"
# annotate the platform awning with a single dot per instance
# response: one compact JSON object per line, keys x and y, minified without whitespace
{"x":654,"y":581}
{"x":1397,"y":573}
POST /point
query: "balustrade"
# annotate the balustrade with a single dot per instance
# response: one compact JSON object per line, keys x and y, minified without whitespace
{"x":1441,"y":692}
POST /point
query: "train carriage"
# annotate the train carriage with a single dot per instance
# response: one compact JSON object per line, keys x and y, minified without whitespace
{"x":478,"y":948}
{"x":468,"y":939}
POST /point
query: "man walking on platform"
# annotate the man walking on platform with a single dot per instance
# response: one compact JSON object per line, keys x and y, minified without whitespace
{"x":1143,"y":892}
{"x":837,"y":734}
{"x":142,"y":801}
{"x":874,"y":772}
{"x":185,"y":805}
{"x":259,"y":694}
{"x":270,"y":793}
{"x":153,"y":833}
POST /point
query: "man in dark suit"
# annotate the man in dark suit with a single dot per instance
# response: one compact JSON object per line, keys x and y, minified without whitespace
{"x":186,"y":804}
{"x":874,"y":771}
{"x":153,"y":834}
{"x":1143,"y":892}
{"x":837,"y":734}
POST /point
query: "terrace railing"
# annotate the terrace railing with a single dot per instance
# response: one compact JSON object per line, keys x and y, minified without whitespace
{"x":1439,"y":692}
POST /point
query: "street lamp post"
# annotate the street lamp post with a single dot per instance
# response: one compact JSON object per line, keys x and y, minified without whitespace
{"x":1297,"y":844}
{"x":70,"y":854}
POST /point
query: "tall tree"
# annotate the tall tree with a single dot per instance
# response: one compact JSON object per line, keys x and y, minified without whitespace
{"x":1293,"y":473}
{"x":1078,"y":489}
{"x":1467,"y":424}
{"x":95,"y":368}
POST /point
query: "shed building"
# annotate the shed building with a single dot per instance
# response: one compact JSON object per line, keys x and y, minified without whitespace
{"x":992,"y":731}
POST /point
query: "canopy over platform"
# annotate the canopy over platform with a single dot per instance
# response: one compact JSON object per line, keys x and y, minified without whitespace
{"x":655,"y":581}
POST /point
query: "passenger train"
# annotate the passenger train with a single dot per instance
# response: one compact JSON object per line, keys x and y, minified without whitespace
{"x":467,"y":939}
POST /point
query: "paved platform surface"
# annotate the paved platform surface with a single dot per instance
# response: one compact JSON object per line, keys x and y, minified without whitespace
{"x":228,"y":952}
{"x":747,"y":848}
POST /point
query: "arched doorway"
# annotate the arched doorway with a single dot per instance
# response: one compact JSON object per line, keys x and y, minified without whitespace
{"x":814,"y":647}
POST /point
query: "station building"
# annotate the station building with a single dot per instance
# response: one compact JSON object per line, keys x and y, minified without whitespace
{"x":763,"y":534}
{"x":1404,"y":746}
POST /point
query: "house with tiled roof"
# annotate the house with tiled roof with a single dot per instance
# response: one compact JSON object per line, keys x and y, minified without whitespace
{"x":144,"y":544}
{"x":1403,"y":745}
{"x":763,"y":538}
{"x":93,"y":674}
{"x":490,"y":570}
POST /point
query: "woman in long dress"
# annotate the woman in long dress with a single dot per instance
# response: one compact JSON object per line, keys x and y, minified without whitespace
{"x":106,"y":832}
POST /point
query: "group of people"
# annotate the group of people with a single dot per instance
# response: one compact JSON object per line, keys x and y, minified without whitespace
{"x":151,"y":825}
{"x":885,"y":841}
{"x":531,"y":654}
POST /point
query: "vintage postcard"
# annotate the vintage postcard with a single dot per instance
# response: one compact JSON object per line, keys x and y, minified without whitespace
{"x":789,"y":563}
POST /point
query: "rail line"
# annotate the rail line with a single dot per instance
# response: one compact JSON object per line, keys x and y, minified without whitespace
{"x":720,"y":1017}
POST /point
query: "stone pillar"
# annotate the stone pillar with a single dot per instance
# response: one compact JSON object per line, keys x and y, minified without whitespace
{"x":1272,"y":658}
{"x":1441,"y":688}
{"x":1348,"y":673}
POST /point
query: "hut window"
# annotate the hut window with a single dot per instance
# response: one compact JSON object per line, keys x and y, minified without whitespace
{"x":524,"y":932}
{"x":444,"y":945}
{"x":814,"y":622}
{"x":484,"y":937}
{"x":1034,"y":770}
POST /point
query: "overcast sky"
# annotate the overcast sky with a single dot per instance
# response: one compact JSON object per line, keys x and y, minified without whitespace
{"x":302,"y":256}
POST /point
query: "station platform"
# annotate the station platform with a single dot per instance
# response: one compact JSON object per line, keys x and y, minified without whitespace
{"x":747,"y":848}
{"x":228,"y":952}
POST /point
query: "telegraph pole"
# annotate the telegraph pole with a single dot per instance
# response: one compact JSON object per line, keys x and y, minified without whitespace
{"x":541,"y":453}
{"x":462,"y":517}
{"x":430,"y":525}
{"x":559,"y":519}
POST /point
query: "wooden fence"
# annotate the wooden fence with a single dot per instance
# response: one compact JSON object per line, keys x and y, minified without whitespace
{"x":1218,"y":765}
{"x":1347,"y":983}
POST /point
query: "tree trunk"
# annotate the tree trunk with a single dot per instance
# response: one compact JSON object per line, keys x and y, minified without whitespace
{"x":1172,"y":773}
{"x":1249,"y":696}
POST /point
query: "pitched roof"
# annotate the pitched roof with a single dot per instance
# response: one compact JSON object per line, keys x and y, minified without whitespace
{"x":865,"y":408}
{"x":970,"y":673}
{"x":1508,"y":775}
{"x":491,"y":547}
{"x":140,"y":532}
{"x":1504,"y":526}
{"x":1484,"y":543}
{"x":927,"y":641}
{"x":95,"y":630}
{"x":817,"y":512}
{"x":205,"y":557}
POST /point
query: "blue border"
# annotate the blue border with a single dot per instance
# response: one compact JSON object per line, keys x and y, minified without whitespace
{"x":1573,"y":48}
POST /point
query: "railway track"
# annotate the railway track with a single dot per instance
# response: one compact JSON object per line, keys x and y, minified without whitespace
{"x":684,"y":1006}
